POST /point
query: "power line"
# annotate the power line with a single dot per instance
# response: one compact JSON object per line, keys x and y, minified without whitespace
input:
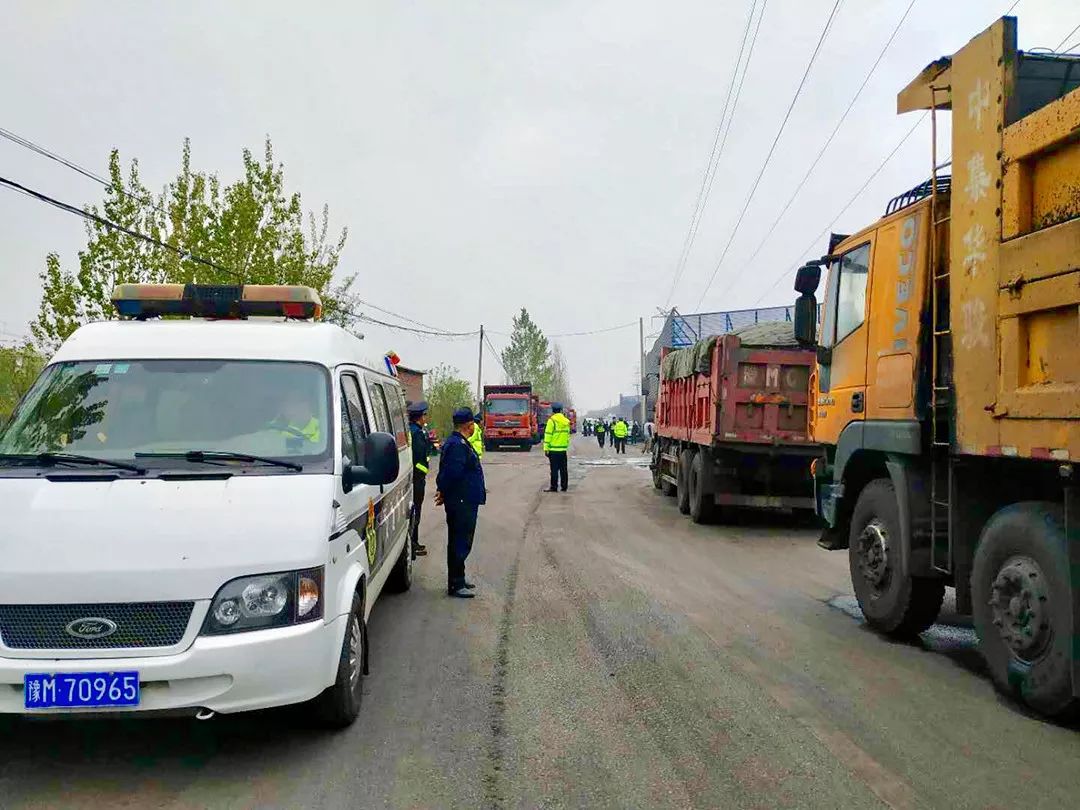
{"x":498,"y":357}
{"x":711,"y":165}
{"x":850,"y":202}
{"x":406,"y":318}
{"x":1066,"y":38}
{"x":106,"y":223}
{"x":829,"y":140}
{"x":772,"y":149}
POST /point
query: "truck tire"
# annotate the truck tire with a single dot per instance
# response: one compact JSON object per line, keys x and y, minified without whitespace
{"x":894,"y":604}
{"x":1022,"y":606}
{"x":657,"y":470}
{"x":682,"y":492}
{"x":702,"y":504}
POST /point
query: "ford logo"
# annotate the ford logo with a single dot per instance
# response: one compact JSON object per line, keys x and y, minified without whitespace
{"x":91,"y":627}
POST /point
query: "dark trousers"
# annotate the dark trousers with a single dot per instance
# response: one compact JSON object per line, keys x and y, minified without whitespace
{"x":460,"y":528}
{"x":557,"y":462}
{"x":419,"y":486}
{"x":600,"y":438}
{"x":620,"y":444}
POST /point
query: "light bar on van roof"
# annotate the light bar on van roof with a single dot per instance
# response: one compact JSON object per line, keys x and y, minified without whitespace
{"x":143,"y":301}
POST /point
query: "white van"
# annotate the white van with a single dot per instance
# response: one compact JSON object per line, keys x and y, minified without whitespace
{"x":199,"y":515}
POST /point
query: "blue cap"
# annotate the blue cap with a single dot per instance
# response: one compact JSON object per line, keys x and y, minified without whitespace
{"x":556,"y":407}
{"x":463,"y":416}
{"x":417,"y":408}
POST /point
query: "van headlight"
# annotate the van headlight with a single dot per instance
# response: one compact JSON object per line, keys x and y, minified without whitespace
{"x":266,"y":600}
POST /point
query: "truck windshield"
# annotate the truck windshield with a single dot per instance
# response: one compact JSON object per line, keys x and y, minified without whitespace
{"x":115,"y":410}
{"x":507,"y":407}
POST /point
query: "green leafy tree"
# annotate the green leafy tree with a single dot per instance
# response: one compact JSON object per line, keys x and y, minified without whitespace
{"x":19,"y":367}
{"x":252,"y":228}
{"x":445,"y":392}
{"x":528,"y":357}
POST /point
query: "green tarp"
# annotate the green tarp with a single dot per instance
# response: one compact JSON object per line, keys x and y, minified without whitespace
{"x":697,"y":359}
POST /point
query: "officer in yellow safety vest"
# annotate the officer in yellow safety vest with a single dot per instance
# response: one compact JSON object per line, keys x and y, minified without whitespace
{"x":476,"y":439}
{"x":295,"y":421}
{"x":620,"y":430}
{"x":556,"y":446}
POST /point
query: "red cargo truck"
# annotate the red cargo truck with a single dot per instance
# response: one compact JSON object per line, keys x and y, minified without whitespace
{"x":731,"y":422}
{"x":509,"y":416}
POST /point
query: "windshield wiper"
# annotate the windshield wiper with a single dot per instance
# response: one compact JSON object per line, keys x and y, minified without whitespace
{"x":211,"y":456}
{"x":52,"y":459}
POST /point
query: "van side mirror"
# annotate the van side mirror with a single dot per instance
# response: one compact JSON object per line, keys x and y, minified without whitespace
{"x":806,"y":319}
{"x":381,"y":466}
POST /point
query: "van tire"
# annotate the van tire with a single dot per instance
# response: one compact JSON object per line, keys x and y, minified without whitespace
{"x":339,"y":705}
{"x":898,"y":605}
{"x":682,"y":493}
{"x":1022,"y":564}
{"x":400,"y":579}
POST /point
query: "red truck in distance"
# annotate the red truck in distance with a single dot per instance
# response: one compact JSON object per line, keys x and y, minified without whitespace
{"x":732,"y":423}
{"x":571,"y":414}
{"x":509,"y":416}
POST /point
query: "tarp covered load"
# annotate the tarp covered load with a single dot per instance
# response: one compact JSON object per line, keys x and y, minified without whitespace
{"x":697,"y":359}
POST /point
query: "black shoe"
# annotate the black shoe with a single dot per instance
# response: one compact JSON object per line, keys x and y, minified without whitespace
{"x":563,"y":489}
{"x":419,"y":551}
{"x":460,"y":593}
{"x":552,"y":489}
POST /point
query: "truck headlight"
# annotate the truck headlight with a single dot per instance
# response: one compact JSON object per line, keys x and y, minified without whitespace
{"x":266,"y":600}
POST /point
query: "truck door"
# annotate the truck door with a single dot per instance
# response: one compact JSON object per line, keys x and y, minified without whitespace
{"x":842,"y":357}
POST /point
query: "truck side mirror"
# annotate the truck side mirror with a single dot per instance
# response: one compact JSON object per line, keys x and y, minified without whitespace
{"x":807,"y":278}
{"x":381,"y":466}
{"x":806,"y":319}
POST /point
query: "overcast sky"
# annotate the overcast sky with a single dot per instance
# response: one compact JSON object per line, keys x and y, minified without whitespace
{"x":487,"y":156}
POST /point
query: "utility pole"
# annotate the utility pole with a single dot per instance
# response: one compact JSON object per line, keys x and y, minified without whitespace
{"x":641,"y":375}
{"x":480,"y":367}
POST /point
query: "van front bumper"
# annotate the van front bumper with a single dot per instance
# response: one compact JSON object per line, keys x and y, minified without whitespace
{"x":231,"y":673}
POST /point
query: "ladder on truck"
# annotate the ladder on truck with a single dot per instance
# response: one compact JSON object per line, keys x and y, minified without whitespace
{"x":942,"y":392}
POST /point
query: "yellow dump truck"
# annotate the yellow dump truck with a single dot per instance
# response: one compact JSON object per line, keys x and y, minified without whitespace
{"x":947,"y":386}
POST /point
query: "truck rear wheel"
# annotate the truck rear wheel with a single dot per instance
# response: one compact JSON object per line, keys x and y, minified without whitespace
{"x":683,"y":489}
{"x":702,"y":504}
{"x":658,"y":469}
{"x":1022,"y":605}
{"x":892,"y":602}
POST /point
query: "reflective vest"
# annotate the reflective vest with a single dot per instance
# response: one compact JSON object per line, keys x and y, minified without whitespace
{"x":599,"y":427}
{"x":557,"y":434}
{"x":619,"y":430}
{"x":310,"y":430}
{"x":477,"y":440}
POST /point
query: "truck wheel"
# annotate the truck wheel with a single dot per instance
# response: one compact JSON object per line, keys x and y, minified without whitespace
{"x":702,"y":504}
{"x":400,"y":579}
{"x":657,"y":469}
{"x":683,"y":489}
{"x":1022,"y":605}
{"x":339,"y":705}
{"x":489,"y":446}
{"x":898,"y":605}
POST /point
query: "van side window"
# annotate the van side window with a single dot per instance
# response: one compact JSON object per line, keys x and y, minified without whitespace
{"x":378,"y":405}
{"x":395,"y":402}
{"x":851,"y":291}
{"x":354,"y":427}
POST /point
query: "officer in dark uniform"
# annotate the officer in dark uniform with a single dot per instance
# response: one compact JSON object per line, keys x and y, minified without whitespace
{"x":422,"y":450}
{"x":461,"y":490}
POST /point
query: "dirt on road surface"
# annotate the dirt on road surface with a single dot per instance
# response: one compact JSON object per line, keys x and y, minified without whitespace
{"x":616,"y":656}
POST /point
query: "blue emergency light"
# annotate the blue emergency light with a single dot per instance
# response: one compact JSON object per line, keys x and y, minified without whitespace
{"x":236,"y":301}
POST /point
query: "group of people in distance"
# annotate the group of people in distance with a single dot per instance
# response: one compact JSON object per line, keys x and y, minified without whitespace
{"x":619,"y":430}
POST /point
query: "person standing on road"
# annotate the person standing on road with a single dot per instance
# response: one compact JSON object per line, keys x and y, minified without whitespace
{"x":557,"y":446}
{"x":422,"y":450}
{"x":601,"y":431}
{"x":461,"y":491}
{"x":619,"y":430}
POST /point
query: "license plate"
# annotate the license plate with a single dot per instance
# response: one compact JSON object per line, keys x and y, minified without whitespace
{"x":70,"y":690}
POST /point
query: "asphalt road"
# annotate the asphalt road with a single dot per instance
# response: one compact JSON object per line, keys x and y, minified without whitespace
{"x":617,"y":656}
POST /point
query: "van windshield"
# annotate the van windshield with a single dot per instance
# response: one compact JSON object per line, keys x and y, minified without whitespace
{"x":507,"y":407}
{"x":115,"y":409}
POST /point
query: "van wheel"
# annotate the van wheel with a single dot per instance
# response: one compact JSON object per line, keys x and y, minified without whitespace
{"x":400,"y":579}
{"x":702,"y":504}
{"x":898,"y":605}
{"x":683,"y":489}
{"x":339,"y":705}
{"x":1022,"y":603}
